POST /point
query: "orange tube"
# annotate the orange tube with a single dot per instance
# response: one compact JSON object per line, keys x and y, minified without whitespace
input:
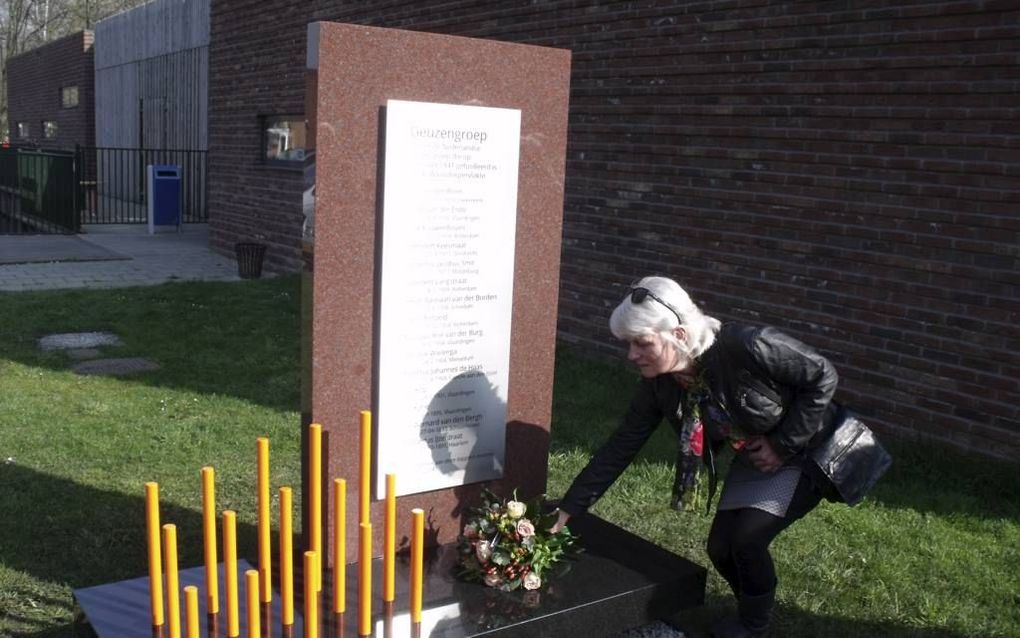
{"x":365,"y":512}
{"x":417,"y":562}
{"x":365,"y":581}
{"x":230,"y":567}
{"x":251,"y":581}
{"x":265,"y":546}
{"x":191,"y":611}
{"x":315,"y":494}
{"x":339,"y":546}
{"x":286,"y":558}
{"x":311,"y":598}
{"x":173,"y":595}
{"x":212,"y":588}
{"x":155,"y":563}
{"x":390,"y":547}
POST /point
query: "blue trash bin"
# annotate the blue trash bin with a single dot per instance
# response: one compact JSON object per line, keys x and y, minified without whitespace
{"x":164,"y":190}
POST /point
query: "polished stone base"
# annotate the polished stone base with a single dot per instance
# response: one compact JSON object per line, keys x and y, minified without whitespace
{"x":619,"y":582}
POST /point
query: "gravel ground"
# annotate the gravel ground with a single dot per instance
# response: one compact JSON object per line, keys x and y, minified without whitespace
{"x":655,"y":630}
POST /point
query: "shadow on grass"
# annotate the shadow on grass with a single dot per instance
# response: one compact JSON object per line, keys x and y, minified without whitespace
{"x":68,"y":534}
{"x":935,"y":479}
{"x":793,"y":622}
{"x":238,"y":339}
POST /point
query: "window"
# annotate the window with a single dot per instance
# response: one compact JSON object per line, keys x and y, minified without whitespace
{"x":22,"y":130}
{"x":69,"y":97}
{"x":49,"y":129}
{"x":283,"y":139}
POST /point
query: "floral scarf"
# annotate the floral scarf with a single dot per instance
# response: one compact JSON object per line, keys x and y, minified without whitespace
{"x":686,"y":492}
{"x":693,"y":451}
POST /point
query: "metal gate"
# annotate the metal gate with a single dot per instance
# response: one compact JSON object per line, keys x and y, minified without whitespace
{"x":113,"y":182}
{"x":45,"y":191}
{"x":39,"y":192}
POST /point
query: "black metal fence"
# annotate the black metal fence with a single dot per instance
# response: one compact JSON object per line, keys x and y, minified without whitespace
{"x":39,"y":192}
{"x":46,"y":191}
{"x":114,"y":183}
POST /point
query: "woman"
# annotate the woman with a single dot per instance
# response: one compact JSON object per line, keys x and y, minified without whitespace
{"x":757,"y":390}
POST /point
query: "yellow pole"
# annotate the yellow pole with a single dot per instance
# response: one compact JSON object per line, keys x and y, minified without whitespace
{"x":155,"y":563}
{"x":417,"y":562}
{"x":315,"y":494}
{"x":230,"y":566}
{"x":311,"y":598}
{"x":390,"y":549}
{"x":251,"y":581}
{"x":265,"y":546}
{"x":364,"y":511}
{"x":365,"y":581}
{"x":286,"y":558}
{"x":191,"y":611}
{"x":339,"y":546}
{"x":173,"y":596}
{"x":212,"y":587}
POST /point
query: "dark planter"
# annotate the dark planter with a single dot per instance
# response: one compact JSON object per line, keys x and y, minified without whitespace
{"x":249,"y":259}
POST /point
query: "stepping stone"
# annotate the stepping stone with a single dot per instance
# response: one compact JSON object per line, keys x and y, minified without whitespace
{"x":115,"y":367}
{"x":78,"y":340}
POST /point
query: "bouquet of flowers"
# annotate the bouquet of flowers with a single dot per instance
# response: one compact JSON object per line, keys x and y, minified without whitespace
{"x":506,"y":544}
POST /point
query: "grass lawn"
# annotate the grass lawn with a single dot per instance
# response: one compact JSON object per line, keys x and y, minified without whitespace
{"x":934,"y":552}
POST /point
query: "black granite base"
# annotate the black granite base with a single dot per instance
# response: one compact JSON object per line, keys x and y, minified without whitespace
{"x":619,"y":582}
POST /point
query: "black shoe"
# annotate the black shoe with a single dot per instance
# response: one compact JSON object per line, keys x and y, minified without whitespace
{"x":752,"y":621}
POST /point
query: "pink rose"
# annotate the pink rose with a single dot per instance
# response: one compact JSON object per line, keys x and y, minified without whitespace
{"x":532,"y":581}
{"x":493,"y":580}
{"x":525,"y":528}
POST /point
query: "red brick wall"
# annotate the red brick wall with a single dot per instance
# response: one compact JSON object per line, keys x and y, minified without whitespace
{"x":849,"y":174}
{"x":34,"y":81}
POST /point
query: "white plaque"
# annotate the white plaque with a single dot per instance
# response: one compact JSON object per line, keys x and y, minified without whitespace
{"x":449,"y":219}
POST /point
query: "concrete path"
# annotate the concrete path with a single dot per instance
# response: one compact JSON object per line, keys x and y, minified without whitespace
{"x":150,"y":259}
{"x":30,"y":249}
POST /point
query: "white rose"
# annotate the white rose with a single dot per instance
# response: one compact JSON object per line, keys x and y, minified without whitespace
{"x":483,"y":551}
{"x":532,"y":581}
{"x":516,"y":509}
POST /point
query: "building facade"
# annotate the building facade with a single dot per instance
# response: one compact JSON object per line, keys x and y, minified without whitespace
{"x":152,"y":76}
{"x":848,"y":173}
{"x":50,"y":100}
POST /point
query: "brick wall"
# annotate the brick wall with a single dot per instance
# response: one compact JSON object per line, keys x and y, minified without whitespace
{"x":34,"y":82}
{"x":847,"y":171}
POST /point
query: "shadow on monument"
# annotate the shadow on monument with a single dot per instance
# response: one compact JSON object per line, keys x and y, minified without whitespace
{"x":77,"y":535}
{"x":525,"y":445}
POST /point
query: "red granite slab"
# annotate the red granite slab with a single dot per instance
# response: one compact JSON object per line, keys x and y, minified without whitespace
{"x":356,"y":70}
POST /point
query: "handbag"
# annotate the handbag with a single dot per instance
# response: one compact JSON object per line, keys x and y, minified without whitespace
{"x":851,"y":459}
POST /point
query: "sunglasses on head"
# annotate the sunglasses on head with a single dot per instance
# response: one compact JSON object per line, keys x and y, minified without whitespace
{"x":638,"y":294}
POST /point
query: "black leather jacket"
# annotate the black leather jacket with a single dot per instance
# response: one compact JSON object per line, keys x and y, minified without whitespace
{"x":768,"y":382}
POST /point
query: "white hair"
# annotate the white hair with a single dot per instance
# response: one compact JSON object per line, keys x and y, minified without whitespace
{"x":632,"y":320}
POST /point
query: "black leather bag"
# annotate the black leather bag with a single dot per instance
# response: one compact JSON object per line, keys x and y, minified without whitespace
{"x":851,"y":459}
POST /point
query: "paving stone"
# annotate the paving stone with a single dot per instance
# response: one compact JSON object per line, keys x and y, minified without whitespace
{"x":115,"y":367}
{"x":78,"y":340}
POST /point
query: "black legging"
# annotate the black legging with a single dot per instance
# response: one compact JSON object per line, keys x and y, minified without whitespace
{"x":739,"y":540}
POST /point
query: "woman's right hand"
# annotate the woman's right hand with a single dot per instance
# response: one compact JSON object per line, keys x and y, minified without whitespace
{"x":560,"y":523}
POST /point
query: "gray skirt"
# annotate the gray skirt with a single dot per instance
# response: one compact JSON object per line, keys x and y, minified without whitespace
{"x":770,"y":492}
